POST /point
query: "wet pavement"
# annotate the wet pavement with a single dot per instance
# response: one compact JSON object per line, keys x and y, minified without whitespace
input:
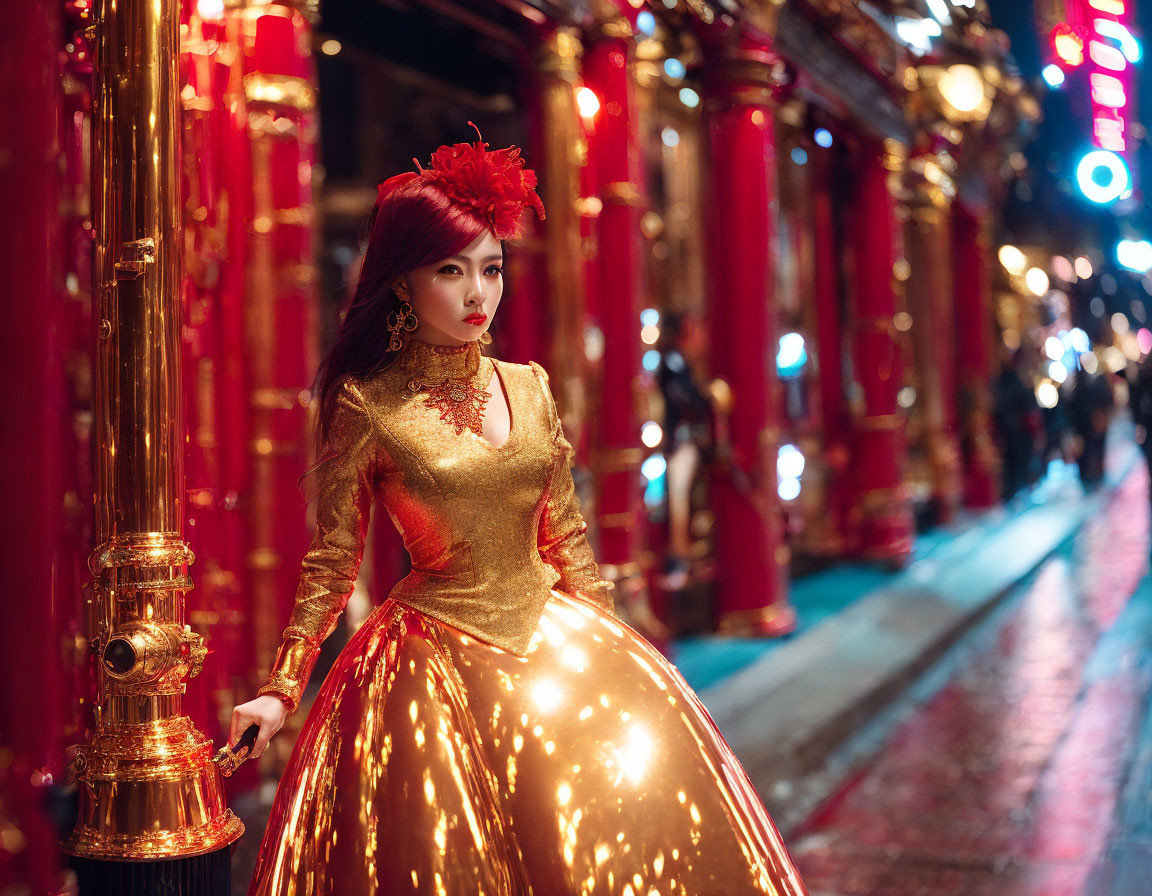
{"x":1027,"y":772}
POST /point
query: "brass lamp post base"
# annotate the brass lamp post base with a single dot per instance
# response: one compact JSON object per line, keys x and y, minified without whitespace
{"x":150,"y":791}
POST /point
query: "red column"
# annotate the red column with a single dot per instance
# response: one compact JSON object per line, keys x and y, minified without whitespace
{"x":974,"y":326}
{"x":75,"y":346}
{"x":215,"y":191}
{"x":751,"y":557}
{"x":882,"y":517}
{"x":32,"y":461}
{"x":613,"y":153}
{"x":521,"y":326}
{"x":280,"y":310}
{"x":523,"y":310}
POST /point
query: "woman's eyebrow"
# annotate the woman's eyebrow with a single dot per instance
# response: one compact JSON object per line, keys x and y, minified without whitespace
{"x":465,"y":258}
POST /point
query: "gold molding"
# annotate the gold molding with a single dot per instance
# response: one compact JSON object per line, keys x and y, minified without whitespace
{"x":624,"y":193}
{"x":280,"y":90}
{"x":774,"y":619}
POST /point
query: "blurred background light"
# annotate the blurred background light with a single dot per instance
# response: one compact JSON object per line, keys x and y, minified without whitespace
{"x":791,"y":355}
{"x":653,"y":467}
{"x":1136,"y":255}
{"x":1144,"y":340}
{"x":1037,"y":281}
{"x":789,"y":462}
{"x":1013,"y":259}
{"x":962,"y":86}
{"x":788,"y":489}
{"x":587,"y":102}
{"x":1079,"y":340}
{"x":940,"y":11}
{"x":674,"y":68}
{"x":1053,"y":75}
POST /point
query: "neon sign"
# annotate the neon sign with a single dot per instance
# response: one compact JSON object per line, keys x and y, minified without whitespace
{"x":1111,"y":51}
{"x":1103,"y":177}
{"x":1097,"y":36}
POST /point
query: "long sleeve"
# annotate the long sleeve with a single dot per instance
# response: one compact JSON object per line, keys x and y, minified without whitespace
{"x":347,"y":471}
{"x":561,"y":539}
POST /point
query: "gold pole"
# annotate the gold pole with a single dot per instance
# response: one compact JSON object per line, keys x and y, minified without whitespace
{"x":148,"y":788}
{"x":565,"y":152}
{"x":928,"y":199}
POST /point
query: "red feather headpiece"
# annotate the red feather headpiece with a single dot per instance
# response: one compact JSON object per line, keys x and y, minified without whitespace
{"x":492,"y":184}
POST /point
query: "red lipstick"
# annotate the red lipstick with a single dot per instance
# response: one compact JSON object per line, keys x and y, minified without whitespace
{"x":476,"y":319}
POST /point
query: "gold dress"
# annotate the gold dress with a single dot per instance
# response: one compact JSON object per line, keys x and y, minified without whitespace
{"x":492,"y":728}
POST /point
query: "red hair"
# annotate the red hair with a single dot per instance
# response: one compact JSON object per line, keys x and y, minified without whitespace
{"x":412,"y":225}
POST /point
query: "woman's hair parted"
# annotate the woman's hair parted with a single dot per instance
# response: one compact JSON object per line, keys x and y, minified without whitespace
{"x":413,"y":226}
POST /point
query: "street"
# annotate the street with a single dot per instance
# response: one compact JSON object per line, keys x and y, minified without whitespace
{"x":1028,"y":773}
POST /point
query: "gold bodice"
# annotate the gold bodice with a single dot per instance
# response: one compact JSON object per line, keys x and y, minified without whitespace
{"x":490,"y":530}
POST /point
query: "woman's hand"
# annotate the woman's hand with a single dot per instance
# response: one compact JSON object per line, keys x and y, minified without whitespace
{"x":267,"y":711}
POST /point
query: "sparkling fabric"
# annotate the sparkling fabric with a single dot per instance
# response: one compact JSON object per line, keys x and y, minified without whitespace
{"x":453,"y":380}
{"x":433,"y":763}
{"x":492,"y":728}
{"x":489,"y":529}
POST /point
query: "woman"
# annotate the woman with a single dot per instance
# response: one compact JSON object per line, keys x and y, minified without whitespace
{"x":492,"y":728}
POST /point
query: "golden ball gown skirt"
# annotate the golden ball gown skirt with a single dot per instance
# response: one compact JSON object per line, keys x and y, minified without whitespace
{"x":434,"y":763}
{"x":492,"y":728}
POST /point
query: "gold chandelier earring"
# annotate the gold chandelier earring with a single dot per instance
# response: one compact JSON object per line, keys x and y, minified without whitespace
{"x":401,"y":321}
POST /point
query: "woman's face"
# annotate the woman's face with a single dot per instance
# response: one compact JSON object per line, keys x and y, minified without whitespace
{"x":456,"y":298}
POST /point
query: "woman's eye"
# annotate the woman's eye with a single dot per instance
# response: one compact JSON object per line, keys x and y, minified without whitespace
{"x":450,"y":269}
{"x":493,"y":270}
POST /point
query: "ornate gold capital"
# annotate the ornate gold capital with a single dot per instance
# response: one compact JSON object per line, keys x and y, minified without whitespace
{"x":742,"y":76}
{"x":280,"y":90}
{"x":560,"y":53}
{"x":608,"y":21}
{"x":623,"y":193}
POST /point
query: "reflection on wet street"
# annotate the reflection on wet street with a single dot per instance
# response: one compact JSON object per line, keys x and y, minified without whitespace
{"x":1011,"y":779}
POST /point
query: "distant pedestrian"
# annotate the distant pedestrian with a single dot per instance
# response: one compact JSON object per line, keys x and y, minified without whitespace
{"x":1139,"y":378}
{"x":1090,"y":406}
{"x":687,"y":434}
{"x":1017,"y":419}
